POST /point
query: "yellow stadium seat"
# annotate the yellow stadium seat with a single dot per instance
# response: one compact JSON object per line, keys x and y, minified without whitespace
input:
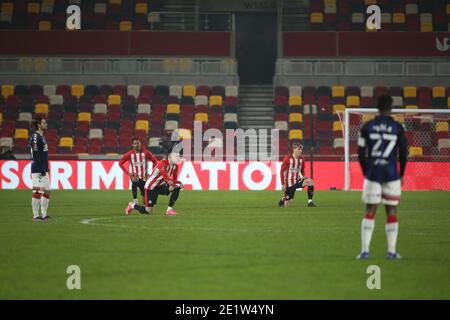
{"x":448,"y":9}
{"x":438,"y":92}
{"x":329,"y":2}
{"x":426,"y":27}
{"x":399,"y":117}
{"x":442,"y":126}
{"x":142,"y":125}
{"x":398,"y":18}
{"x":370,"y":2}
{"x":7,"y":90}
{"x":338,"y":107}
{"x":1,"y":119}
{"x":114,"y":99}
{"x":448,"y":102}
{"x":410,"y":92}
{"x":118,"y":2}
{"x":201,"y":117}
{"x":295,"y":101}
{"x":184,"y":134}
{"x":84,"y":116}
{"x":189,"y":91}
{"x":367,"y":117}
{"x":338,"y":91}
{"x":295,"y":117}
{"x":141,"y":8}
{"x":21,"y":134}
{"x":33,"y":7}
{"x":66,"y":142}
{"x":353,"y":101}
{"x":40,"y":64}
{"x":411,"y":106}
{"x":45,"y":26}
{"x":7,"y":7}
{"x":295,"y":134}
{"x":41,"y":108}
{"x":215,"y":100}
{"x":316,"y":17}
{"x":48,"y":2}
{"x":415,"y":151}
{"x":337,"y":126}
{"x":126,"y":26}
{"x":173,"y":108}
{"x":77,"y":90}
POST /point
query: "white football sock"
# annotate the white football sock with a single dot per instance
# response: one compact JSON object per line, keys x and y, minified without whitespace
{"x":391,"y":235}
{"x":310,"y":200}
{"x":35,"y":204}
{"x":367,"y":227}
{"x":44,"y":205}
{"x":135,"y":201}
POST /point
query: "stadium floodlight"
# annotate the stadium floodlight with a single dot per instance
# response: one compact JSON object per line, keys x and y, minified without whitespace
{"x":422,"y":128}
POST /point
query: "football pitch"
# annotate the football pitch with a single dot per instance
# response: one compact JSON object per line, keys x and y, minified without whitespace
{"x":221,"y":245}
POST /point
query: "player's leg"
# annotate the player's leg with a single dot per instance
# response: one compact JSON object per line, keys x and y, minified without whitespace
{"x":141,"y":186}
{"x":390,"y":197}
{"x":36,"y":195}
{"x":310,"y":184}
{"x":134,"y":187}
{"x":371,"y":197}
{"x":45,"y":198}
{"x":148,"y":204}
{"x":289,"y":196}
{"x":174,"y":194}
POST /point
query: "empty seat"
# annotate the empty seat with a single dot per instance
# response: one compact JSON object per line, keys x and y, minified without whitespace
{"x":144,"y":108}
{"x":173,"y":108}
{"x":7,"y":90}
{"x":215,"y":100}
{"x":25,"y":116}
{"x":231,"y":91}
{"x":133,"y":90}
{"x":77,"y":90}
{"x":353,"y":101}
{"x":84,"y":116}
{"x":201,"y":117}
{"x":281,"y":125}
{"x":442,"y":126}
{"x":176,"y":91}
{"x":338,"y":91}
{"x":295,"y":134}
{"x":125,"y":26}
{"x":171,"y":125}
{"x":415,"y":151}
{"x":114,"y":99}
{"x":410,"y":92}
{"x":295,"y":117}
{"x":438,"y":92}
{"x":66,"y":142}
{"x":189,"y":91}
{"x":100,"y":108}
{"x":201,"y":100}
{"x":41,"y":108}
{"x":21,"y":134}
{"x":295,"y":101}
{"x":338,"y":108}
{"x":142,"y":125}
{"x":95,"y":134}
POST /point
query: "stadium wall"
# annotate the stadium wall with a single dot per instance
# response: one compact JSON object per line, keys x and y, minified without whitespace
{"x":100,"y":175}
{"x":115,"y":43}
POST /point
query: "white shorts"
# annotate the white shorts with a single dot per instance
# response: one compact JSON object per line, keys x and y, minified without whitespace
{"x":387,"y":193}
{"x":40,"y":184}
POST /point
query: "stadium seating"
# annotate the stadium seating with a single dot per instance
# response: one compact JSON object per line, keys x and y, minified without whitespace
{"x":319,"y":109}
{"x":104,"y":118}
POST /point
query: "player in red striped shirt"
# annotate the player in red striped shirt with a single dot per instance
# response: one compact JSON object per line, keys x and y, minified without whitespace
{"x":293,"y":177}
{"x":162,"y":180}
{"x":139,"y":160}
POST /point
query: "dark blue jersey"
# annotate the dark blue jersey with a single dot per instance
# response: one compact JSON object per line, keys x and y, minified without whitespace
{"x":39,"y":153}
{"x":382,"y":143}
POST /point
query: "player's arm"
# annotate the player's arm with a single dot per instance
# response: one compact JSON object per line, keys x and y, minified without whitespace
{"x":175,"y":177}
{"x":160,"y":165}
{"x":284,"y":167}
{"x":402,"y":150}
{"x":151,"y":157}
{"x":362,"y":146}
{"x":123,"y":160}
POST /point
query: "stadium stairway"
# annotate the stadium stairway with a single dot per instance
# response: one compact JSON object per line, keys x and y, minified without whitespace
{"x":255,"y":109}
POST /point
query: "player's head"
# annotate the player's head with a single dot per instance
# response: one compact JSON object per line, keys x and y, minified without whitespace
{"x":136,"y":144}
{"x":39,"y":124}
{"x":297,"y":149}
{"x":384,"y":104}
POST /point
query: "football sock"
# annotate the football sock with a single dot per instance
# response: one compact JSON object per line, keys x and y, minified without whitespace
{"x":35,"y":204}
{"x":134,"y":190}
{"x":139,"y":208}
{"x":391,"y":233}
{"x":174,"y":197}
{"x":367,"y":226}
{"x":44,"y":204}
{"x":135,"y":201}
{"x":310,"y":192}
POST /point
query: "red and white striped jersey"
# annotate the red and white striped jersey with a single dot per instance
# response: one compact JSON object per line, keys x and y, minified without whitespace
{"x":292,"y":170}
{"x":162,"y":173}
{"x":138,"y":162}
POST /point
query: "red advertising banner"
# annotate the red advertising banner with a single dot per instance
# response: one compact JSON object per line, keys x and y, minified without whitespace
{"x":101,"y":175}
{"x":366,"y":44}
{"x":114,"y":43}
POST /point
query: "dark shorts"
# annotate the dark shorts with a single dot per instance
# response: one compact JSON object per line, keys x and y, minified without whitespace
{"x":152,"y":195}
{"x":290,"y":191}
{"x":141,"y":185}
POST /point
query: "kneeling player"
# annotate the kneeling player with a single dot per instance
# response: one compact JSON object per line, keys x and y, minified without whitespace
{"x":162,"y":180}
{"x":292,"y":175}
{"x":382,"y":138}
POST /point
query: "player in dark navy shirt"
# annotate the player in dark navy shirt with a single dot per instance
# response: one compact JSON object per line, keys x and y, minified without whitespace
{"x":39,"y":170}
{"x":381,"y":145}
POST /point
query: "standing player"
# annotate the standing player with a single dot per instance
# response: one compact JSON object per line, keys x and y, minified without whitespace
{"x":162,"y":180}
{"x":138,"y":159}
{"x":293,"y":177}
{"x":39,"y":170}
{"x":382,"y":138}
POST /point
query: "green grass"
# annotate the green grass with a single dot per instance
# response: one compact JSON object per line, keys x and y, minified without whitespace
{"x":221,"y":245}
